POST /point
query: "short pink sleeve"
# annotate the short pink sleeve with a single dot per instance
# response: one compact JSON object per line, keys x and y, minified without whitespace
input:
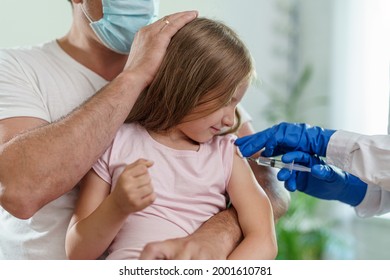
{"x":228,"y":149}
{"x":101,"y":167}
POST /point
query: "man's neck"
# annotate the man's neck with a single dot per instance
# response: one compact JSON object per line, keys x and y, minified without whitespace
{"x":93,"y":55}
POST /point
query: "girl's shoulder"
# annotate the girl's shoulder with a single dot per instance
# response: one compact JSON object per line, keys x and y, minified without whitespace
{"x":130,"y":129}
{"x":129,"y":136}
{"x":224,"y":141}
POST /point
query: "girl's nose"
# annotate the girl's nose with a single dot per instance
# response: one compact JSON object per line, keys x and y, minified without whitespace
{"x":228,"y":119}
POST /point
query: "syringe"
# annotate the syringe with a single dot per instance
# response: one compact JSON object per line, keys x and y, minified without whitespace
{"x":279,"y":164}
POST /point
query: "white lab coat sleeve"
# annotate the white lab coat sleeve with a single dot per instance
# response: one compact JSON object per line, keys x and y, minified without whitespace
{"x":376,"y":202}
{"x":366,"y":157}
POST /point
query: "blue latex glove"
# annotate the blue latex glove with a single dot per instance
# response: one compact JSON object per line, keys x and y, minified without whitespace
{"x":324,"y":181}
{"x":286,"y":137}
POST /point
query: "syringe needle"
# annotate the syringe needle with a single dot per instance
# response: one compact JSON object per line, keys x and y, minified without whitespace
{"x":271,"y":162}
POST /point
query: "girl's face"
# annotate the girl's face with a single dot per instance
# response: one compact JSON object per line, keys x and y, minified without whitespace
{"x":203,"y":129}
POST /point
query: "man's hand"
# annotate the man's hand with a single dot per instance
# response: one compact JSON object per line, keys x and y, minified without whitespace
{"x":151,"y":42}
{"x":185,"y":248}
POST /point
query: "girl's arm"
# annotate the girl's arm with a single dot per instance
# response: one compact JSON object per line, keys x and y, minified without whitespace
{"x":266,"y":177}
{"x":99,"y":214}
{"x":254,"y":212}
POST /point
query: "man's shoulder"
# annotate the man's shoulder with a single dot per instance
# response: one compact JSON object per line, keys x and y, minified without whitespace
{"x":30,"y":48}
{"x":27,"y":54}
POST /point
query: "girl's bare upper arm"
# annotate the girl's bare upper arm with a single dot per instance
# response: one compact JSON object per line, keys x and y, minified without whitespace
{"x":93,"y":190}
{"x":247,"y":196}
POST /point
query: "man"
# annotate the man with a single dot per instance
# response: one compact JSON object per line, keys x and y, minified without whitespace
{"x":61,"y":104}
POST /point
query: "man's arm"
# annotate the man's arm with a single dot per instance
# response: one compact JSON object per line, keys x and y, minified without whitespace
{"x":40,"y":162}
{"x":215,"y":239}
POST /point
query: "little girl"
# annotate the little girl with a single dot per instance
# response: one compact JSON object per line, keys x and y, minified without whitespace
{"x":173,"y":165}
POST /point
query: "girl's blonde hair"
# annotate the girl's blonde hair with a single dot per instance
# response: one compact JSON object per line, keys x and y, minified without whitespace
{"x":204,"y":64}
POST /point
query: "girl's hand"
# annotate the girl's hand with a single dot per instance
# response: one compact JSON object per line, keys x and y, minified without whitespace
{"x":134,"y":191}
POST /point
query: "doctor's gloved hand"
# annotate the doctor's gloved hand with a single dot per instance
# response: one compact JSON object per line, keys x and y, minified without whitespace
{"x":324,"y":181}
{"x":286,"y":137}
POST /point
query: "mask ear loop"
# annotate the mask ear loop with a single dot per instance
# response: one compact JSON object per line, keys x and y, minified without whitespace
{"x":85,"y":14}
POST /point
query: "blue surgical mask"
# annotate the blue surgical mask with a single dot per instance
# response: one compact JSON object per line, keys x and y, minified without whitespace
{"x":121,"y":21}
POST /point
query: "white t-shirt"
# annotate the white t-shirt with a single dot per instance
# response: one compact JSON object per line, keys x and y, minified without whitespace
{"x":43,"y":82}
{"x":46,"y":83}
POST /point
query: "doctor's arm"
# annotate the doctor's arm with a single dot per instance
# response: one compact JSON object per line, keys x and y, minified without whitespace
{"x":365,"y":156}
{"x":376,"y":202}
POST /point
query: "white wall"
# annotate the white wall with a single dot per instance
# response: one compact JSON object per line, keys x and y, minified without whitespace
{"x":29,"y":22}
{"x":360,"y":65}
{"x":315,"y":49}
{"x":359,"y":94}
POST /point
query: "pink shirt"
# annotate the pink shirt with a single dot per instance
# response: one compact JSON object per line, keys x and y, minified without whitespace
{"x":190,"y":186}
